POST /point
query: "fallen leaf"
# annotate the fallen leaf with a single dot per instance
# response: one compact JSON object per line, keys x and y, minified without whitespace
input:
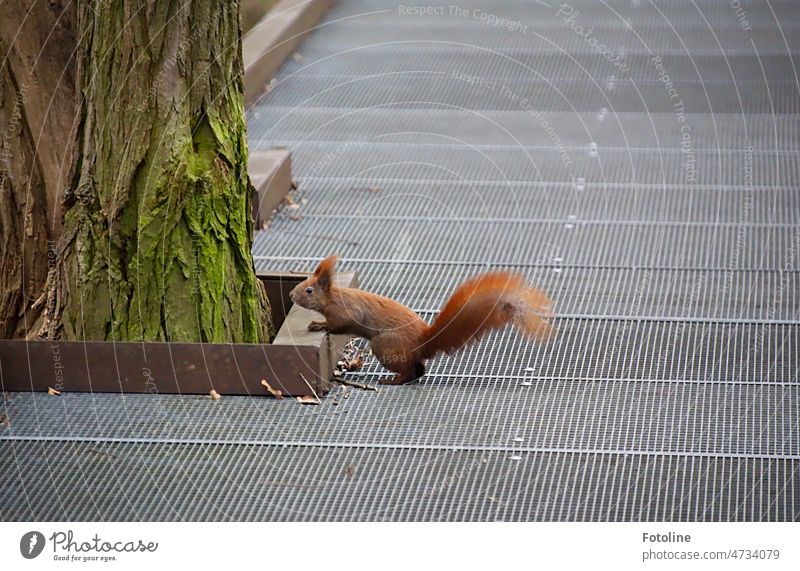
{"x":355,"y":364}
{"x":308,"y":399}
{"x":350,"y":471}
{"x":51,"y":391}
{"x":274,"y":392}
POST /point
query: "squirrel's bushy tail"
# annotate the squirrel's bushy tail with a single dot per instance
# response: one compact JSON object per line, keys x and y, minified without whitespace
{"x":486,"y":302}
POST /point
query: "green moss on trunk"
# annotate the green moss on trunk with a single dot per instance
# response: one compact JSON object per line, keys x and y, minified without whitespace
{"x":156,"y":242}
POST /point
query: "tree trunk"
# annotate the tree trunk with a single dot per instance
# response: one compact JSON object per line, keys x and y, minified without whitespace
{"x":37,"y":112}
{"x":157,"y":226}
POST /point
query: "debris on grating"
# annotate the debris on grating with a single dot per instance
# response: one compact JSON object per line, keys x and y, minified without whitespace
{"x":274,"y":392}
{"x":350,"y":360}
{"x":341,"y":392}
{"x":357,"y":385}
{"x":101,"y":452}
{"x":299,"y":58}
{"x":307,"y":399}
{"x":52,"y":392}
{"x":288,"y":207}
{"x":350,"y":471}
{"x":4,"y":421}
{"x":214,"y":395}
{"x":313,"y":392}
{"x":272,"y":83}
{"x":350,"y":350}
{"x":515,"y":457}
{"x":529,"y":369}
{"x":527,"y":384}
{"x":519,"y":439}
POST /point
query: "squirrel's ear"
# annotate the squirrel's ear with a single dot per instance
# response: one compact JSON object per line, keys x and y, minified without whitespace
{"x":324,"y":272}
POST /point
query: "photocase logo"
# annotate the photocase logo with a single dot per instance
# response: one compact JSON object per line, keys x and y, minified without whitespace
{"x":31,"y":544}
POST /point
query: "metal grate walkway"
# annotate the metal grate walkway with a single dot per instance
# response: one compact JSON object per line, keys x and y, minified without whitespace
{"x":664,"y":219}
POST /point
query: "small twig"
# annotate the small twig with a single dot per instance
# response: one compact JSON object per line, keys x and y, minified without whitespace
{"x":357,"y":385}
{"x":310,"y":387}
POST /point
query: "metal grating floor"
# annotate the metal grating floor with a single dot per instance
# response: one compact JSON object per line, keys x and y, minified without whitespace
{"x":672,"y":391}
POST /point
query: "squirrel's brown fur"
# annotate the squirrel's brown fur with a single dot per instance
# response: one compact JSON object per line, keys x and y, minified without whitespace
{"x":401,"y":340}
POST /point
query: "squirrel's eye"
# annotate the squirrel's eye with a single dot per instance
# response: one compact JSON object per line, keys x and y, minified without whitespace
{"x":309,"y":290}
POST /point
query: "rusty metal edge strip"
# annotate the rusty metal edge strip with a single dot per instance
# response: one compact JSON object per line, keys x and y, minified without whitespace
{"x":178,"y":368}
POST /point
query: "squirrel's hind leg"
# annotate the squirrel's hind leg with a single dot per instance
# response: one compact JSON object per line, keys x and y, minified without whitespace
{"x":391,"y":350}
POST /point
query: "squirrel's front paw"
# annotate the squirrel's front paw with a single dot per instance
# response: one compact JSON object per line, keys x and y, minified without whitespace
{"x":317,"y":326}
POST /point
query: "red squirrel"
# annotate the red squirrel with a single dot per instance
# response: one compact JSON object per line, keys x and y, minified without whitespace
{"x":401,"y":340}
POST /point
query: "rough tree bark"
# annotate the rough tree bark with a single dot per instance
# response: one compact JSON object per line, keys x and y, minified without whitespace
{"x":37,"y":110}
{"x":157,"y":225}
